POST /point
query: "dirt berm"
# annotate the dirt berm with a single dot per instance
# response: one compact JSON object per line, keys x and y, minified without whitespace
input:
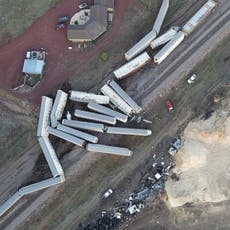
{"x":203,"y":163}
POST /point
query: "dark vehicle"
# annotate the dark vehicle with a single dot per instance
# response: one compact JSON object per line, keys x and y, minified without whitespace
{"x":34,"y":55}
{"x":60,"y":26}
{"x":63,"y":19}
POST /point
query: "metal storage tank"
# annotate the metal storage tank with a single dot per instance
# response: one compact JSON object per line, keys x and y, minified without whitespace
{"x":116,"y":100}
{"x":58,"y":107}
{"x":109,"y":149}
{"x":82,"y":135}
{"x":125,"y":96}
{"x":9,"y":203}
{"x":132,"y":66}
{"x":129,"y":131}
{"x":75,"y":140}
{"x":169,"y":47}
{"x":161,"y":40}
{"x":44,"y":116}
{"x":102,"y":109}
{"x":161,"y":16}
{"x":51,"y":157}
{"x":199,"y":17}
{"x":141,"y":45}
{"x":95,"y":117}
{"x":40,"y":185}
{"x":88,"y":97}
{"x":91,"y":126}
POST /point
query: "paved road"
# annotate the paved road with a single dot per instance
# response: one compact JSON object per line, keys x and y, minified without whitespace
{"x":154,"y":79}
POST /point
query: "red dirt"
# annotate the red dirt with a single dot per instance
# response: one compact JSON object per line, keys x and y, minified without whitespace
{"x":43,"y":34}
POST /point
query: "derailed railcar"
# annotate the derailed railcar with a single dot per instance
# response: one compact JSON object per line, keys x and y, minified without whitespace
{"x":44,"y":116}
{"x":109,"y":149}
{"x":67,"y":137}
{"x":58,"y":107}
{"x":141,"y":45}
{"x":199,"y":17}
{"x":107,"y":111}
{"x":117,"y":100}
{"x":88,"y":97}
{"x":77,"y":133}
{"x":84,"y":125}
{"x":51,"y":157}
{"x":40,"y":185}
{"x":95,"y":116}
{"x":164,"y":38}
{"x":136,"y":108}
{"x":161,"y":16}
{"x":169,"y":47}
{"x":132,"y":66}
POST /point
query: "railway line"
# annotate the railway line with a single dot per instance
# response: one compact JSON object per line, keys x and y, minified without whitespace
{"x":147,"y":85}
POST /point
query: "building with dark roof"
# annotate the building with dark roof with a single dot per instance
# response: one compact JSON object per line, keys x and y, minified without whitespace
{"x":87,"y":25}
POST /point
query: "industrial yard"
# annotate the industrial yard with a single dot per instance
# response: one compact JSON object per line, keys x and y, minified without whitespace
{"x":109,"y":135}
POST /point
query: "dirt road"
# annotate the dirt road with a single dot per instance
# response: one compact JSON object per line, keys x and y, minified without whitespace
{"x":75,"y":159}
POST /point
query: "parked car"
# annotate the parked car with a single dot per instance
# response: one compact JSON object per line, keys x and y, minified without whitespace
{"x":83,"y":5}
{"x":63,"y":19}
{"x":169,"y":106}
{"x":60,"y":26}
{"x":107,"y":194}
{"x":192,"y":78}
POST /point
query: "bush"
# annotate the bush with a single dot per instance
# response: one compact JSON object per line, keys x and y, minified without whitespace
{"x":104,"y":56}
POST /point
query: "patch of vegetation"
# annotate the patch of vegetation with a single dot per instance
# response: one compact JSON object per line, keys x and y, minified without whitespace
{"x":17,"y":16}
{"x":104,"y":56}
{"x":16,"y":134}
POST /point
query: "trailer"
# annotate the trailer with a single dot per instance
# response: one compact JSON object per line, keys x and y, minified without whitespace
{"x":51,"y":157}
{"x":58,"y":107}
{"x":161,"y":16}
{"x":96,"y":127}
{"x":117,"y":100}
{"x":199,"y":17}
{"x":132,"y":66}
{"x":77,"y":133}
{"x":141,"y":45}
{"x":109,"y":149}
{"x":9,"y":203}
{"x":129,"y":131}
{"x":95,"y":117}
{"x":67,"y":137}
{"x":107,"y":111}
{"x":88,"y":97}
{"x":136,"y":108}
{"x":170,"y":34}
{"x":40,"y":185}
{"x":169,"y":47}
{"x":44,"y":116}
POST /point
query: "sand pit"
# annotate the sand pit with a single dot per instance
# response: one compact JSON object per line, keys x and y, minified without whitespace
{"x":203,"y":164}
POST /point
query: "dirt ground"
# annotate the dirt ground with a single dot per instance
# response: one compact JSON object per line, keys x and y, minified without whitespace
{"x":20,"y":16}
{"x":203,"y":164}
{"x":42,"y":34}
{"x":81,"y":192}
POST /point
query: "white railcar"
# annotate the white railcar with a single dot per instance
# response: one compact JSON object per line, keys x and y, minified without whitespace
{"x":199,"y":17}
